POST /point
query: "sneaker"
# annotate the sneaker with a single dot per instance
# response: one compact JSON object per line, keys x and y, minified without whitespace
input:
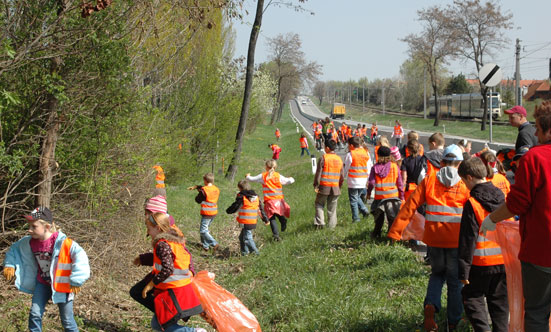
{"x":429,"y":323}
{"x":200,"y":329}
{"x":205,"y":249}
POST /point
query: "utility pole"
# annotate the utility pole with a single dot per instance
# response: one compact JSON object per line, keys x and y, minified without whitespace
{"x":383,"y":100}
{"x":425,"y":94}
{"x":363,"y":92}
{"x":550,"y":68}
{"x":518,"y":94}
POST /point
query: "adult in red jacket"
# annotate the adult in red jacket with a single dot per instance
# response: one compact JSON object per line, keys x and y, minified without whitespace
{"x":529,"y":198}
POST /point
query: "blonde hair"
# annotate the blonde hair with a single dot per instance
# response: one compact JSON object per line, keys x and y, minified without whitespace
{"x":163,"y":222}
{"x":413,"y":135}
{"x":383,"y":141}
{"x":53,"y":228}
{"x":271,"y":164}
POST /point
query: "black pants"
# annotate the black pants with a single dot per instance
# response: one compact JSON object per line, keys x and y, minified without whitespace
{"x":536,"y":285}
{"x":273,"y":224}
{"x":493,"y":287}
{"x":136,"y":293}
{"x":389,"y":208}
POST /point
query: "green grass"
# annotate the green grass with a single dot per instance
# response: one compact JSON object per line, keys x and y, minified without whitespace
{"x":501,"y":134}
{"x":328,"y":280}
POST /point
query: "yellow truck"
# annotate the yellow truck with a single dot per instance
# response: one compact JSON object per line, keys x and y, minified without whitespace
{"x":338,"y":111}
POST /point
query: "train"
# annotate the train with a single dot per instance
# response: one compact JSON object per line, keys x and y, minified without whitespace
{"x":466,"y":105}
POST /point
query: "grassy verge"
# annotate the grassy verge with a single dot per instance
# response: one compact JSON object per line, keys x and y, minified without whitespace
{"x":328,"y":280}
{"x":502,"y":134}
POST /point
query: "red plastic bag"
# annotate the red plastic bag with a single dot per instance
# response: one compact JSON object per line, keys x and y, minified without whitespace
{"x":222,"y":309}
{"x":508,"y":238}
{"x":415,"y":229}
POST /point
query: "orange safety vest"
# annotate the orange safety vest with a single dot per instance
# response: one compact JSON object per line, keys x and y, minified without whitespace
{"x":349,"y":131}
{"x":248,"y":213}
{"x":486,"y":253}
{"x":374,"y":130}
{"x":357,"y":132}
{"x":331,"y":172}
{"x":431,"y":168}
{"x":272,"y":187}
{"x":278,"y":133}
{"x":443,"y":212}
{"x":303,"y":142}
{"x":276,"y":148}
{"x":180,"y":276}
{"x":358,"y":167}
{"x":208,"y":206}
{"x":499,"y":180}
{"x":63,"y":269}
{"x":364,"y":131}
{"x":386,"y":187}
{"x":335,"y":136}
{"x":376,"y":155}
{"x":411,"y":188}
{"x":397,"y":131}
{"x":160,"y":177}
{"x":317,"y":133}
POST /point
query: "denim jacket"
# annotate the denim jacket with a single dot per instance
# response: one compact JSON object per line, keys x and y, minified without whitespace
{"x":20,"y":257}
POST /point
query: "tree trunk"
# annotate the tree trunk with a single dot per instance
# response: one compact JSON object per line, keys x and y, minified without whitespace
{"x":280,"y":110}
{"x":232,"y":168}
{"x":274,"y":118}
{"x":436,"y":107}
{"x":483,"y":92}
{"x":46,"y":163}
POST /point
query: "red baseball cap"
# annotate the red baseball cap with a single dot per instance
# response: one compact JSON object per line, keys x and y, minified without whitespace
{"x":517,"y":109}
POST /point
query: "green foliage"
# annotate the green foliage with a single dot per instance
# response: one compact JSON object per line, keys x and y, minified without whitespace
{"x":457,"y":85}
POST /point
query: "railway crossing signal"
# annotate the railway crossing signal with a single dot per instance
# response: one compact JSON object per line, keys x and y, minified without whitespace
{"x":490,"y":75}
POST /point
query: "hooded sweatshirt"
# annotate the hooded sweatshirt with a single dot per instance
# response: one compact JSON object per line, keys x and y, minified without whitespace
{"x":490,"y":197}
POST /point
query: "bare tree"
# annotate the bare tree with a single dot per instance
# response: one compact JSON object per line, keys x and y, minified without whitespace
{"x":433,"y":46}
{"x":479,"y":29}
{"x":290,"y":69}
{"x":319,"y":90}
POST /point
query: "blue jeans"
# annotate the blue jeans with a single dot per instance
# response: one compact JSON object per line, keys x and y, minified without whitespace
{"x":171,"y":328}
{"x":246,"y":241}
{"x":444,"y":268}
{"x":356,"y":203}
{"x":43,"y":293}
{"x":206,"y":239}
{"x":302,"y":151}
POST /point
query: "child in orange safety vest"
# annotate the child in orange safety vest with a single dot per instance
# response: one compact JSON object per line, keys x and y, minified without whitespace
{"x":208,"y":198}
{"x":303,"y":144}
{"x":481,"y":265}
{"x":48,"y":265}
{"x":274,"y":202}
{"x":277,"y":134}
{"x":386,"y":179}
{"x":248,"y":206}
{"x":275,"y":151}
{"x":444,"y":194}
{"x":168,"y":293}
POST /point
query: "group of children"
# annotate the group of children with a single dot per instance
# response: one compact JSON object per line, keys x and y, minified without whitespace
{"x":325,"y":130}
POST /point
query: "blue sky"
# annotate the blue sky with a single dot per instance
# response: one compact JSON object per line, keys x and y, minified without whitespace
{"x":360,"y":38}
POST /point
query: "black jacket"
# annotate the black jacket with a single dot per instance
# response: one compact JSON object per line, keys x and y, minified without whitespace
{"x":490,"y":197}
{"x":239,"y":202}
{"x":526,"y":136}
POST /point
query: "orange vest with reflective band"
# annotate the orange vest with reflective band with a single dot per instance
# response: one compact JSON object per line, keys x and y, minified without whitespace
{"x":486,"y":253}
{"x":180,"y":276}
{"x":443,"y":212}
{"x":410,"y":188}
{"x":335,"y":136}
{"x":160,"y":178}
{"x":349,"y":131}
{"x":358,"y":167}
{"x":374,"y":130}
{"x":303,"y":142}
{"x":397,"y":131}
{"x":248,"y":212}
{"x":209,"y":206}
{"x":63,"y":269}
{"x":331,"y":172}
{"x":386,"y":187}
{"x":499,"y":180}
{"x":277,"y":133}
{"x":271,"y":187}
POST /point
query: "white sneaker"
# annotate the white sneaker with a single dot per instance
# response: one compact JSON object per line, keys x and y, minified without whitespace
{"x":200,"y":329}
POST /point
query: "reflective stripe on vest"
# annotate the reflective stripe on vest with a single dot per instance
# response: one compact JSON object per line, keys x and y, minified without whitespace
{"x":303,"y":142}
{"x":209,"y":206}
{"x":248,"y":213}
{"x":179,"y":276}
{"x":160,"y":177}
{"x":271,"y":188}
{"x":386,"y":187}
{"x":331,"y":172}
{"x":358,"y":167}
{"x":397,"y":130}
{"x":63,"y":269}
{"x":486,"y":253}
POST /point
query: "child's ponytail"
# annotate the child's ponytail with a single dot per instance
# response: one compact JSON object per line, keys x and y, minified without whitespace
{"x":271,"y":165}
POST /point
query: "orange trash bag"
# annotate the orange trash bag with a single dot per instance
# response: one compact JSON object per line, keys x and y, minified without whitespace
{"x":415,"y":229}
{"x":221,"y":308}
{"x":508,"y":238}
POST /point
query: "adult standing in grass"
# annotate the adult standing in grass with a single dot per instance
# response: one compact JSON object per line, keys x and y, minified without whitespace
{"x":529,"y":198}
{"x":274,"y":202}
{"x":357,"y":165}
{"x":327,"y":184}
